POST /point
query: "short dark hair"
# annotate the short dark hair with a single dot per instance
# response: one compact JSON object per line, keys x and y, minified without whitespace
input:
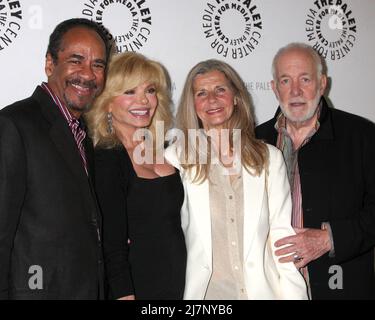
{"x":63,"y":27}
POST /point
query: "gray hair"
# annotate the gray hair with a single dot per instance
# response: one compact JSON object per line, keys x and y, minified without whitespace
{"x":303,"y":47}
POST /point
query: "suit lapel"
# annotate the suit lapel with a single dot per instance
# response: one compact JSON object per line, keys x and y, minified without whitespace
{"x":198,"y":202}
{"x":61,"y":136}
{"x":67,"y":147}
{"x":89,"y":151}
{"x":253,"y":204}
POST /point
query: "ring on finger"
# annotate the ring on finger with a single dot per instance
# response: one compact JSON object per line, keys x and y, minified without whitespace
{"x":297,"y":258}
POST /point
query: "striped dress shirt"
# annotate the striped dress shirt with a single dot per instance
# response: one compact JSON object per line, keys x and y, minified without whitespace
{"x":285,"y":144}
{"x":78,"y":132}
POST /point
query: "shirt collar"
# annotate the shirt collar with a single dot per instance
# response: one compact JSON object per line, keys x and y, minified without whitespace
{"x":280,"y":124}
{"x":62,"y":107}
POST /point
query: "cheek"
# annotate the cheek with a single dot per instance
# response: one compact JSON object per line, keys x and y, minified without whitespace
{"x":282,"y":93}
{"x":120,"y":105}
{"x":153,"y":101}
{"x":198,"y":104}
{"x":313,"y":92}
{"x":117,"y":112}
{"x":60,"y":75}
{"x":228,"y":103}
{"x":284,"y":98}
{"x":100,"y":79}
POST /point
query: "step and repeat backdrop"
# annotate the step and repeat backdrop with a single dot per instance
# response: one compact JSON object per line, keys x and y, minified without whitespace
{"x":180,"y":33}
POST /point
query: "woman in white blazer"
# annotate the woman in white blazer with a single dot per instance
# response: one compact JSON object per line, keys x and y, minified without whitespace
{"x":237,"y":197}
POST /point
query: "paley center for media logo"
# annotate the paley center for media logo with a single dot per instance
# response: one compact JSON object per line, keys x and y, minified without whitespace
{"x":129,"y":22}
{"x":331,"y":28}
{"x":10,"y":22}
{"x":232,"y":27}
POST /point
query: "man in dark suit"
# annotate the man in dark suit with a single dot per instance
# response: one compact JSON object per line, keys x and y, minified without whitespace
{"x":330,"y":156}
{"x":50,"y":242}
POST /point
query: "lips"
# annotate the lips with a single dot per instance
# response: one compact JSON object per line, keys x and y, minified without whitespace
{"x":140,"y":112}
{"x":214,"y":110}
{"x":82,"y":88}
{"x":297,"y":104}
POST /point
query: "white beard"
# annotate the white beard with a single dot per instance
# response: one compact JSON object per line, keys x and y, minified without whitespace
{"x":309,"y":113}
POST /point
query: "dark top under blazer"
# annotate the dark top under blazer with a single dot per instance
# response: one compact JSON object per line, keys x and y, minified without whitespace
{"x":337,"y":169}
{"x":48,"y":211}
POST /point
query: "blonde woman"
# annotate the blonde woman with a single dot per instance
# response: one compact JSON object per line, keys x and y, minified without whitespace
{"x":233,"y":212}
{"x":140,"y":198}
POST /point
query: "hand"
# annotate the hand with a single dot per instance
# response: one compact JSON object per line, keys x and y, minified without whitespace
{"x":307,"y":244}
{"x":131,"y":297}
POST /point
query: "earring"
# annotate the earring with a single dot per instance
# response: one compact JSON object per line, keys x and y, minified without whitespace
{"x":110,"y":124}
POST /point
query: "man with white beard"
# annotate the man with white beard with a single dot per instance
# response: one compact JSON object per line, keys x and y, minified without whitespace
{"x":330,"y":157}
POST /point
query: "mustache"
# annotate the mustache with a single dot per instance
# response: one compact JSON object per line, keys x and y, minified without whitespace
{"x":91,"y":84}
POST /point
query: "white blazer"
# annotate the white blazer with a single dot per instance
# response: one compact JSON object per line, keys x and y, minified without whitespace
{"x":267,"y":218}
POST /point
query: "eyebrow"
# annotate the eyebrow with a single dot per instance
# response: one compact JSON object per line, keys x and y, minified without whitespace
{"x":288,"y":76}
{"x":77,"y":56}
{"x":152,"y":84}
{"x":80,"y":57}
{"x":101,"y":61}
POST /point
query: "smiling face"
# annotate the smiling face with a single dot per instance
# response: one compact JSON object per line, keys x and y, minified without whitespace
{"x":77,"y":77}
{"x":135,"y":108}
{"x":213,"y":99}
{"x":298,"y":86}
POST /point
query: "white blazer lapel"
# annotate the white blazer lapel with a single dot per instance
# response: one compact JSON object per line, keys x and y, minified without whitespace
{"x":198,"y":204}
{"x":199,"y":210}
{"x":253,"y":204}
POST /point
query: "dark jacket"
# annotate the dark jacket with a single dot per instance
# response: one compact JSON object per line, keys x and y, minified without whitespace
{"x":48,"y":212}
{"x":337,"y":170}
{"x":112,"y":176}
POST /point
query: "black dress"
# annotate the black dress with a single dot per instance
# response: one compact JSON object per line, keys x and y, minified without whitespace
{"x":146,"y":212}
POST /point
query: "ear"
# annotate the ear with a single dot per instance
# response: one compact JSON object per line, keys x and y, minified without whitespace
{"x":274,"y":89}
{"x":109,"y":108}
{"x":235,"y":101}
{"x":323,"y":84}
{"x":49,"y":66}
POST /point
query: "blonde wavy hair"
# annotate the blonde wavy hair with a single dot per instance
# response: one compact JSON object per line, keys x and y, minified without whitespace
{"x":126,"y":71}
{"x":254,"y":153}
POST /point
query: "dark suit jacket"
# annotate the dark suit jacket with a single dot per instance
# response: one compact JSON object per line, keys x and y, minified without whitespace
{"x":48,"y":211}
{"x":337,"y":169}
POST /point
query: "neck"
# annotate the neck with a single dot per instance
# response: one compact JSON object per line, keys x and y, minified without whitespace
{"x":52,"y":88}
{"x":298,"y":131}
{"x":125,"y":135}
{"x":75,"y":114}
{"x":221,"y":145}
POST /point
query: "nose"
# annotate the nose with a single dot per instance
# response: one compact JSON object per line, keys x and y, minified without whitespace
{"x":211,"y":96}
{"x":142,"y":98}
{"x":87,"y":72}
{"x":296,"y":89}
